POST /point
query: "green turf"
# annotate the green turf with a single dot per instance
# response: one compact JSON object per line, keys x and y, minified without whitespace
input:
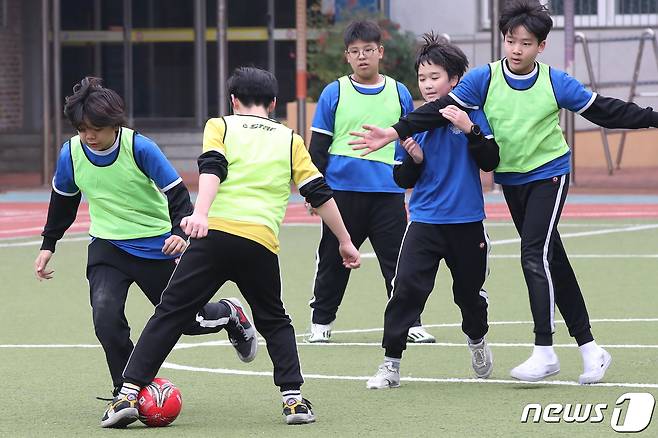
{"x":50,"y":391}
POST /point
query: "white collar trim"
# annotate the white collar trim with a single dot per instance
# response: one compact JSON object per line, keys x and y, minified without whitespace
{"x":512,"y":75}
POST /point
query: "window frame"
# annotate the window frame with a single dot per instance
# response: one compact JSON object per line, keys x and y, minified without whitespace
{"x":606,"y":17}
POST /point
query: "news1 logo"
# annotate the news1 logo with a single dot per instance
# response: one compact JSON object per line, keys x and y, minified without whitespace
{"x":632,"y":412}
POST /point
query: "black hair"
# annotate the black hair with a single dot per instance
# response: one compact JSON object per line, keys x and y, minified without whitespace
{"x":253,"y":86}
{"x":93,"y":103}
{"x":366,"y":30}
{"x":530,"y":14}
{"x":439,"y":51}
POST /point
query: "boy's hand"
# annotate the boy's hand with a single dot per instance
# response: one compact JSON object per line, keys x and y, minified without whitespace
{"x":40,"y":265}
{"x":413,"y":149}
{"x":174,"y":245}
{"x":350,"y":255}
{"x":310,"y":209}
{"x":195,"y":226}
{"x":457,"y":117}
{"x":373,"y":139}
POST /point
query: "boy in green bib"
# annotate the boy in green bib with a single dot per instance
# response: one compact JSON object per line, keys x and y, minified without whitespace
{"x":521,"y":98}
{"x":136,"y":202}
{"x":246,"y":167}
{"x":370,"y":201}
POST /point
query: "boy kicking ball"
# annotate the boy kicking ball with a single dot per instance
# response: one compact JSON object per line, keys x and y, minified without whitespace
{"x":246,"y":167}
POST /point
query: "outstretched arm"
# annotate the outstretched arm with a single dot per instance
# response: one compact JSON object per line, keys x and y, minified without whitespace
{"x":615,"y":113}
{"x":422,"y":119}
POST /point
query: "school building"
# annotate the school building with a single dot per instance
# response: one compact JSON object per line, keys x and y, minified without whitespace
{"x":164,"y":58}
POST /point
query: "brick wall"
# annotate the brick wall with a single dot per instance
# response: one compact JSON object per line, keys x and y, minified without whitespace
{"x":11,"y":68}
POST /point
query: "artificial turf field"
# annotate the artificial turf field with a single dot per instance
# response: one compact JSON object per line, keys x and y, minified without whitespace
{"x":52,"y":367}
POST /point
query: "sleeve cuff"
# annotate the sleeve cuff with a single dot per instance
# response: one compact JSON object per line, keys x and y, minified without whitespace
{"x":654,"y":119}
{"x":402,"y":129}
{"x":178,"y":231}
{"x":48,"y":243}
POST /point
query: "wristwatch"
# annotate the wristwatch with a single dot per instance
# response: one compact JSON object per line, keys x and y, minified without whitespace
{"x":475,"y":130}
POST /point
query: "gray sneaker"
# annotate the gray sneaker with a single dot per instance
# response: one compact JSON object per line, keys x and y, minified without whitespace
{"x":241,"y":331}
{"x":481,"y":359}
{"x":386,"y":377}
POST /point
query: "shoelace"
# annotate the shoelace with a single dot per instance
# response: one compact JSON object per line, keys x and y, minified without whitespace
{"x":480,"y":357}
{"x":238,"y":331}
{"x":385,"y":369}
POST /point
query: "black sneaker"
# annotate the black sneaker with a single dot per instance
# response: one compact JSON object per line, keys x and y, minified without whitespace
{"x":121,"y":411}
{"x":298,"y":412}
{"x":241,"y":331}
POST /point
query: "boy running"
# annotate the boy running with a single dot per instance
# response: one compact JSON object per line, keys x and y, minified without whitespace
{"x":446,"y":213}
{"x":370,"y":202}
{"x":247,"y":164}
{"x":135,"y":228}
{"x":521,"y":99}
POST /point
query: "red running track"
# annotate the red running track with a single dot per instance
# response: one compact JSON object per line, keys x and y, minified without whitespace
{"x":26,"y":219}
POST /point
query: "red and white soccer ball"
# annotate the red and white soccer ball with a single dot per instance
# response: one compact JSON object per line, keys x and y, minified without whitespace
{"x":159,"y":403}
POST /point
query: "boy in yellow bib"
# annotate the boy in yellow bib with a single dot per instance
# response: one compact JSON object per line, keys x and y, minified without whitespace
{"x":247,"y":164}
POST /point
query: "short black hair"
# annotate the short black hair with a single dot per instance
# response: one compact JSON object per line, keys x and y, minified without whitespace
{"x":439,"y":51}
{"x":530,"y":14}
{"x":253,"y":86}
{"x":365,"y":30}
{"x":94,"y":103}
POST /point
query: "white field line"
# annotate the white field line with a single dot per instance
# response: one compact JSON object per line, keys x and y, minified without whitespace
{"x":38,"y":242}
{"x":588,"y":233}
{"x":458,"y":324}
{"x":186,"y":346}
{"x":174,"y":366}
{"x":463,"y":345}
{"x":372,"y":255}
{"x":636,"y":227}
{"x":182,"y":345}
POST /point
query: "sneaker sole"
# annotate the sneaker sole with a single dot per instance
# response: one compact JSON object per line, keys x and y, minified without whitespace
{"x":599,"y":376}
{"x":121,"y":419}
{"x":390,"y":386}
{"x":533,"y":378}
{"x":421,"y":341}
{"x":300,"y":419}
{"x":252,"y":331}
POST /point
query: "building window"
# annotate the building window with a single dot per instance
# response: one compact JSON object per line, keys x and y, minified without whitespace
{"x":596,"y":13}
{"x":3,"y":14}
{"x":636,"y":7}
{"x":582,"y":7}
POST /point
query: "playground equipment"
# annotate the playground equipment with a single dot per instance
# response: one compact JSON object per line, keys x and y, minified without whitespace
{"x":646,"y":35}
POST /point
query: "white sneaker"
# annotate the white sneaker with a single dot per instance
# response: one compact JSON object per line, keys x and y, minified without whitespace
{"x":418,"y":335}
{"x":596,"y":371}
{"x":386,"y":377}
{"x":319,"y":333}
{"x":481,"y":359}
{"x":535,"y":369}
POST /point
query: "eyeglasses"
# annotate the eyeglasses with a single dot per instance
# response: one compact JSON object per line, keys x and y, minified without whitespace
{"x":367,"y":52}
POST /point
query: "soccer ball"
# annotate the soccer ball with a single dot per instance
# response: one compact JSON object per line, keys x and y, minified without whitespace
{"x":159,"y":403}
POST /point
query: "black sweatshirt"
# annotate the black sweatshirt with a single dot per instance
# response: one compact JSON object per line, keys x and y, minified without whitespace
{"x":63,"y":209}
